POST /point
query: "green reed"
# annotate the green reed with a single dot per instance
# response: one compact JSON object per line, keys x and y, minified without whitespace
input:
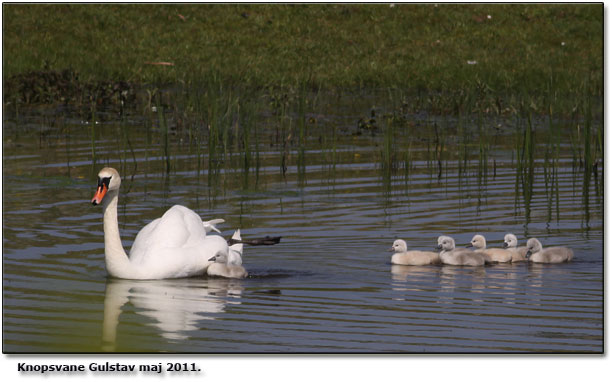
{"x":93,"y":136}
{"x":301,"y":121}
{"x":483,"y":151}
{"x":246,"y":118}
{"x":408,"y":161}
{"x":462,"y":146}
{"x":388,"y":152}
{"x":525,"y":148}
{"x":66,"y":129}
{"x":551,"y":161}
{"x":163,"y":125}
{"x":439,"y":148}
{"x":588,"y":158}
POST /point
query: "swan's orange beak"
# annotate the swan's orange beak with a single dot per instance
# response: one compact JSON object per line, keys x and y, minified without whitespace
{"x":99,"y":195}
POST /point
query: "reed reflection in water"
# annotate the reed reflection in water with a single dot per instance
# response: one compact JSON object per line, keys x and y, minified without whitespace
{"x":329,"y":286}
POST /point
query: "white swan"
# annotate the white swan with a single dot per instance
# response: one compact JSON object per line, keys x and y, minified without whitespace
{"x":455,"y":256}
{"x":496,"y":255}
{"x":403,"y":256}
{"x":173,"y":246}
{"x":228,"y":265}
{"x":511,"y":244}
{"x":537,"y":254}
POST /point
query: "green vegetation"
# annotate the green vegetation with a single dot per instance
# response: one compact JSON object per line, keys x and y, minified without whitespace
{"x":489,"y":53}
{"x":237,"y":85}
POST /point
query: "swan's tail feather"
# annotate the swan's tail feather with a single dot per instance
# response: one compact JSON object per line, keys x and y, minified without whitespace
{"x":235,"y":250}
{"x":210,"y":225}
{"x":237,"y":242}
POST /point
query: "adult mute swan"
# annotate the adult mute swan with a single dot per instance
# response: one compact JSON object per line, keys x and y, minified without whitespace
{"x":403,"y":256}
{"x":173,"y":246}
{"x":537,"y":254}
{"x":496,"y":255}
{"x":458,"y":256}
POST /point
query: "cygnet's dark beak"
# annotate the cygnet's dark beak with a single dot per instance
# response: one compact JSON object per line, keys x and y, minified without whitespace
{"x":439,"y":246}
{"x":527,"y":254}
{"x":469,"y":245}
{"x":391,"y":249}
{"x":212,"y":258}
{"x":505,"y":245}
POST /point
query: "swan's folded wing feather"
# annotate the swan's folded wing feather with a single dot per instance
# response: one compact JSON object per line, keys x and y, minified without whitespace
{"x":179,"y":227}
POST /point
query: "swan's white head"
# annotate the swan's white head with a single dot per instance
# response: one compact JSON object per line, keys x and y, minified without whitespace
{"x":510,"y":241}
{"x":446,"y":243}
{"x":399,"y":246}
{"x":533,"y":246}
{"x":478,"y":242}
{"x":108,"y":180}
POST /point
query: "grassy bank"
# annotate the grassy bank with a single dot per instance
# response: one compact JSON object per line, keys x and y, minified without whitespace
{"x":501,"y":49}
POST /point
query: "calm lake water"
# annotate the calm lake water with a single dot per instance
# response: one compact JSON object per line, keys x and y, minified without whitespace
{"x":329,"y":285}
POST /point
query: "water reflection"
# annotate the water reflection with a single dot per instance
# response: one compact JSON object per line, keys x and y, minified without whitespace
{"x":176,"y":306}
{"x":403,"y":273}
{"x":337,"y":195}
{"x":457,"y":280}
{"x":414,"y":278}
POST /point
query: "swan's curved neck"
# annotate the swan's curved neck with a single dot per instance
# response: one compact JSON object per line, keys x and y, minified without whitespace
{"x":117,"y":262}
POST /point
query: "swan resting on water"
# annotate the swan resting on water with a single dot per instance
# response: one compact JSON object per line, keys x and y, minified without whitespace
{"x":175,"y":245}
{"x":403,"y":256}
{"x":458,"y":256}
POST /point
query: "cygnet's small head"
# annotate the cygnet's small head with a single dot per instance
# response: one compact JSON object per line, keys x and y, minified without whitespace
{"x":219,"y":258}
{"x":533,"y":246}
{"x":478,"y":242}
{"x":446,"y":243}
{"x":399,"y":246}
{"x":510,"y":241}
{"x":108,"y":180}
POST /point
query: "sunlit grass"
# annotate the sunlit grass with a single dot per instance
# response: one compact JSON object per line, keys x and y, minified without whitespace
{"x":492,"y":49}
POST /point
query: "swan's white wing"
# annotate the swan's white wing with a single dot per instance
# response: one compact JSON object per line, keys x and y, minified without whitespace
{"x":179,"y":227}
{"x":210,"y":225}
{"x":234,"y":256}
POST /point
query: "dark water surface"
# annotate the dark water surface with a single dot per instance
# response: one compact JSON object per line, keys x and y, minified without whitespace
{"x":329,"y":285}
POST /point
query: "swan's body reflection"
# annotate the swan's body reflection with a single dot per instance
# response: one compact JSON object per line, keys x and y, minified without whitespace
{"x":175,"y":305}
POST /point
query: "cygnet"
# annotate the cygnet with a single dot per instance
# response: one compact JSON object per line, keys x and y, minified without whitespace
{"x":228,"y":265}
{"x":403,"y":256}
{"x":492,"y":255}
{"x":511,"y":244}
{"x":453,"y":256}
{"x":537,"y":254}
